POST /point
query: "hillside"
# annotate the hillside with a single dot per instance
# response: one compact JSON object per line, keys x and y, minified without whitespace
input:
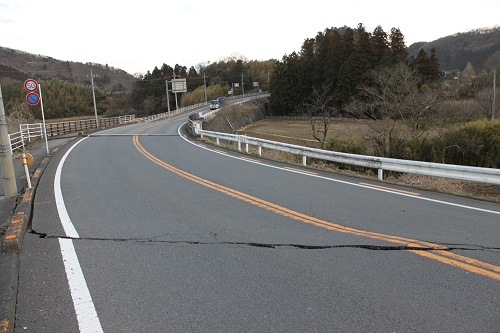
{"x":21,"y":65}
{"x":480,"y":47}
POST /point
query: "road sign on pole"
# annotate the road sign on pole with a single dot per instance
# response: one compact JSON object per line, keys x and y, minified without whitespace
{"x":30,"y":85}
{"x":32,"y":98}
{"x":179,"y":85}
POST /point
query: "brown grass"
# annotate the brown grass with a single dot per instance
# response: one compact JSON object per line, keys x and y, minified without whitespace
{"x":299,"y":132}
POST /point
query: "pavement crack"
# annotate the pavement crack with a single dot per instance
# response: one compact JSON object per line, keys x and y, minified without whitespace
{"x":465,"y":247}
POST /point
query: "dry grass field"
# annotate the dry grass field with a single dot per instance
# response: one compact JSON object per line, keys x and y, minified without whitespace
{"x":299,"y":132}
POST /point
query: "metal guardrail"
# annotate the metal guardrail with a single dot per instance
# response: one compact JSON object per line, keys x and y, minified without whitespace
{"x":26,"y":133}
{"x":65,"y":127}
{"x":35,"y":131}
{"x":196,"y":106}
{"x":475,"y":174}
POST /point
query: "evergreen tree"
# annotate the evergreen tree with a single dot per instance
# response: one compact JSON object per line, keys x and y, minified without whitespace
{"x":434,"y":63}
{"x":399,"y":51}
{"x":286,"y":91}
{"x":423,"y":67}
{"x":380,"y":47}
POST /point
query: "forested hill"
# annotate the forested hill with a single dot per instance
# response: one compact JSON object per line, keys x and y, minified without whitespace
{"x":479,"y":47}
{"x":20,"y":65}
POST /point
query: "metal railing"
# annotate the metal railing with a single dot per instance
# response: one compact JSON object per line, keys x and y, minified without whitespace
{"x":65,"y":127}
{"x":475,"y":174}
{"x":26,"y":133}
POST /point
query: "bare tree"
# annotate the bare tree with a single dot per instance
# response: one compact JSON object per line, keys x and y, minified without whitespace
{"x":484,"y":99}
{"x":396,"y":95}
{"x":320,"y":111}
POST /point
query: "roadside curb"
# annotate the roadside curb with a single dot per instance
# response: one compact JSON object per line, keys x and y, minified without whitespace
{"x":11,"y":246}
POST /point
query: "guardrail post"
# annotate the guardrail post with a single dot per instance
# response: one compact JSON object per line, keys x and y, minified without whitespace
{"x":246,"y":148}
{"x":380,"y":174}
{"x":218,"y":143}
{"x":304,"y":160}
{"x":260,"y":150}
{"x":239,"y":143}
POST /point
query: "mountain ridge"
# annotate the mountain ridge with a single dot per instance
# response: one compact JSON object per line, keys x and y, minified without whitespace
{"x":21,"y":65}
{"x":479,"y":47}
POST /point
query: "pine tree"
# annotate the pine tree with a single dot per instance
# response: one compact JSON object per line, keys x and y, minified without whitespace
{"x":399,"y":51}
{"x":380,"y":47}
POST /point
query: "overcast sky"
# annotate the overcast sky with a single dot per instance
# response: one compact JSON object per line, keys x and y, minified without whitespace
{"x":138,"y":35}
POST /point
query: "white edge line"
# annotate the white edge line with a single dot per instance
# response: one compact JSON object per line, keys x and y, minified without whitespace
{"x":342,"y":181}
{"x":86,"y":315}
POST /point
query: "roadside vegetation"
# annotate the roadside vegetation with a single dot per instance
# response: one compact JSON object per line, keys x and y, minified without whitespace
{"x":358,"y":92}
{"x":408,"y":107}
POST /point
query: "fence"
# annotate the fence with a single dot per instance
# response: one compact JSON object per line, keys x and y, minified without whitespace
{"x":59,"y":128}
{"x":35,"y":131}
{"x":27,"y":132}
{"x":476,"y":174}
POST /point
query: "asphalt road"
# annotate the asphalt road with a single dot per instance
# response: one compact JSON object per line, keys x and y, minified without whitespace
{"x":137,"y":229}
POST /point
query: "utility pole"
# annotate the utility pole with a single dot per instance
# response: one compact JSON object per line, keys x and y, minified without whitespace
{"x":242,"y":88}
{"x":8,"y":174}
{"x":93,"y":96}
{"x":205,"y":85}
{"x":494,"y":93}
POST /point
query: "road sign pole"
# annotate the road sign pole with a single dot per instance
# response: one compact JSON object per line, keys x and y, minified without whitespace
{"x":168,"y":101}
{"x":8,"y":174}
{"x":26,"y":169}
{"x":43,"y":119}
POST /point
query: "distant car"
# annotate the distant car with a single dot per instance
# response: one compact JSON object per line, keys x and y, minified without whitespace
{"x":214,"y":104}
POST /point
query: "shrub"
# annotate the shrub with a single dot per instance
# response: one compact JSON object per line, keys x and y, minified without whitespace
{"x":475,"y":143}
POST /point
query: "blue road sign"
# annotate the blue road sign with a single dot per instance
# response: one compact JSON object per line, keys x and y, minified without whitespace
{"x":32,"y":98}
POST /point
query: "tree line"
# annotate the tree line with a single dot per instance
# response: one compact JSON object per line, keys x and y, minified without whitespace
{"x":342,"y":60}
{"x":63,"y":98}
{"x":206,"y":81}
{"x":413,"y":110}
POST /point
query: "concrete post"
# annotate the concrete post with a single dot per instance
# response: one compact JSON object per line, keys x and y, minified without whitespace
{"x":8,"y":174}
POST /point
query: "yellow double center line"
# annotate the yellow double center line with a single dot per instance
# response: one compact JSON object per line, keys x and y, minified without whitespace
{"x":422,"y":248}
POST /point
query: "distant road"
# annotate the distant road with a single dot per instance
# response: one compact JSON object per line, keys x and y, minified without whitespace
{"x":159,"y":234}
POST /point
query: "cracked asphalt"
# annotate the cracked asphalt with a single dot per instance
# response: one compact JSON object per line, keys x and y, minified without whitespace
{"x":174,"y":238}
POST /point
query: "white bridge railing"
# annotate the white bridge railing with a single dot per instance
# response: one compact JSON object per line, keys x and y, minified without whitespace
{"x":476,"y":174}
{"x":26,"y":133}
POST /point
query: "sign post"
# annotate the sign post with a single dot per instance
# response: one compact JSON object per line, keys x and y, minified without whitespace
{"x":178,"y":85}
{"x":32,"y":98}
{"x":26,"y":160}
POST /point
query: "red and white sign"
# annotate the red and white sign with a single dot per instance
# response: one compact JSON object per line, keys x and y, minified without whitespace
{"x":32,"y":98}
{"x":30,"y":85}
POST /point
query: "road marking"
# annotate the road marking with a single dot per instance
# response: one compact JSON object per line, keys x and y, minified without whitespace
{"x":86,"y":315}
{"x":489,"y":211}
{"x":390,"y":189}
{"x":427,"y":249}
{"x":249,"y":159}
{"x":301,"y":171}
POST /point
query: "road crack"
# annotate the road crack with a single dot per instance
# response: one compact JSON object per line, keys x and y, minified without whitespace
{"x":465,"y":247}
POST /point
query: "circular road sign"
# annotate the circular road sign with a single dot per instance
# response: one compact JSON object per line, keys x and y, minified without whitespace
{"x":32,"y":98}
{"x":30,"y":85}
{"x":29,"y":159}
